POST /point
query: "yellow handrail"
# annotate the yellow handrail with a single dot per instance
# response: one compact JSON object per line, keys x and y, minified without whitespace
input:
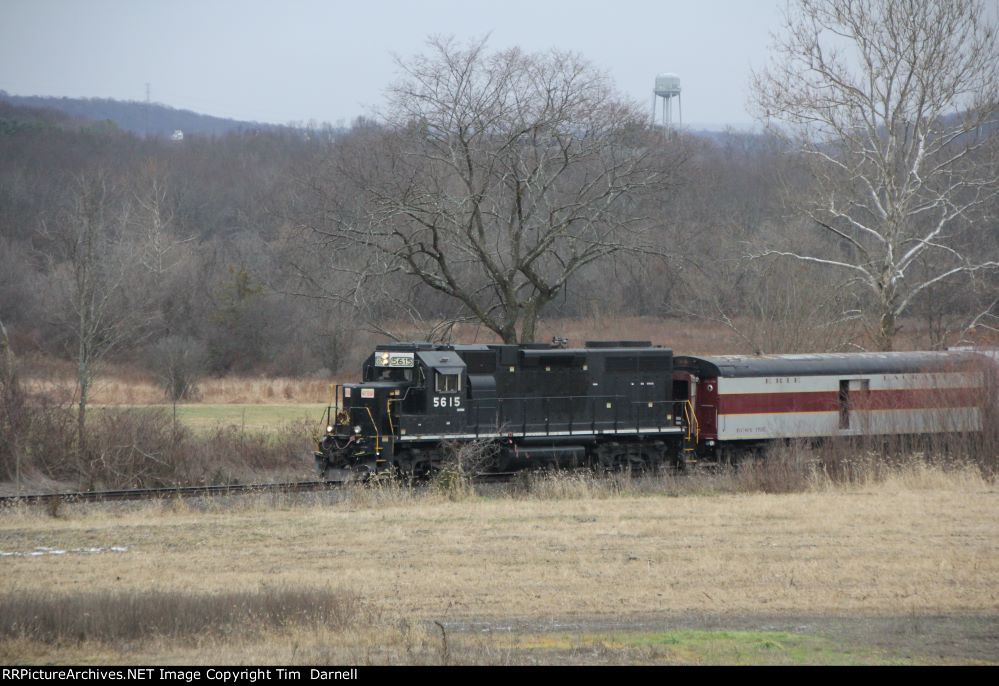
{"x":378,"y":446}
{"x":337,"y":414}
{"x":388,"y":411}
{"x":692,"y":423}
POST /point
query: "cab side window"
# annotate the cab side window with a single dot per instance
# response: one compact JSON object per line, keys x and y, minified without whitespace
{"x":448,"y":383}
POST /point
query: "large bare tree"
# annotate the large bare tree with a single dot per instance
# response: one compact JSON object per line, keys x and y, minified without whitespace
{"x":894,"y":104}
{"x":493,"y":179}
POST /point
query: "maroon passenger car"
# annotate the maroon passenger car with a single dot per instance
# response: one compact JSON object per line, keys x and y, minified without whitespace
{"x":745,"y":401}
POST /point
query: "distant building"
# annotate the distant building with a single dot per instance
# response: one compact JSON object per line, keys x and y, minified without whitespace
{"x":177,"y":135}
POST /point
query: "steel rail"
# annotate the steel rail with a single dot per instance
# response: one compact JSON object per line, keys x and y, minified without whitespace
{"x":213,"y":490}
{"x":169,"y":492}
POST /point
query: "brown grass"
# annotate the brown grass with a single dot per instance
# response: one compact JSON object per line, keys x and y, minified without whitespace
{"x":566,"y":549}
{"x":109,"y":615}
{"x":123,"y":388}
{"x":923,"y":533}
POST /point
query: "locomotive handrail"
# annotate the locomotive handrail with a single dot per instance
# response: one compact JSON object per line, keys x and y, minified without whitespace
{"x":545,"y":401}
{"x":388,"y":409}
{"x":692,"y":423}
{"x":560,"y":397}
{"x":388,"y":414}
{"x":333,"y":419}
{"x":638,"y":413}
{"x":328,"y":417}
{"x":642,"y":404}
{"x":374,"y":425}
{"x":349,"y":411}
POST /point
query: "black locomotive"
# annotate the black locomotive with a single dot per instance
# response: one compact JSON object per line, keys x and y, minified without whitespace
{"x":607,"y":404}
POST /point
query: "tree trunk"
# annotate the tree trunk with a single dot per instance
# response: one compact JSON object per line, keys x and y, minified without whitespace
{"x":529,"y":322}
{"x":886,"y":328}
{"x":528,"y":326}
{"x":83,"y":380}
{"x":11,"y":413}
{"x":509,"y":331}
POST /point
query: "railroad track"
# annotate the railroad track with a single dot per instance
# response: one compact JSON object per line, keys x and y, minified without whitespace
{"x":201,"y":491}
{"x":188,"y":491}
{"x":175,"y":492}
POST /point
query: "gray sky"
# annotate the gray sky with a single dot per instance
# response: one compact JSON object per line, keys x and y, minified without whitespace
{"x":325,"y":60}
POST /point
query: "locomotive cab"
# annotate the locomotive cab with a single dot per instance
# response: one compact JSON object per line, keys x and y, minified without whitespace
{"x":410,"y":389}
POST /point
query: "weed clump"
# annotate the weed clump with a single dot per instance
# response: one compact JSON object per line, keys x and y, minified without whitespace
{"x":113,"y":616}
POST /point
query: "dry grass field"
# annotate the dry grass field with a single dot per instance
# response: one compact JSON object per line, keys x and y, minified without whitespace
{"x":127,"y":387}
{"x":202,"y":417}
{"x":905,"y":570}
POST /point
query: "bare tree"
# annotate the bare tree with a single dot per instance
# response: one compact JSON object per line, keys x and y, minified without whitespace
{"x":494,"y":178}
{"x":178,"y":362}
{"x":12,"y":411}
{"x":894,"y":104}
{"x":100,"y":298}
{"x":152,"y":222}
{"x":770,"y":307}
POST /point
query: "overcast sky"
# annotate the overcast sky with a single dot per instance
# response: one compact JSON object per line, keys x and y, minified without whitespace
{"x":325,"y":60}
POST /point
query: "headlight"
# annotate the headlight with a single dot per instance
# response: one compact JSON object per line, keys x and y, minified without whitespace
{"x":357,"y":429}
{"x":329,"y":429}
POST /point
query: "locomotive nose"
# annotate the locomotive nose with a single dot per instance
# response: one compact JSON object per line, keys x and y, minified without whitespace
{"x":366,"y":406}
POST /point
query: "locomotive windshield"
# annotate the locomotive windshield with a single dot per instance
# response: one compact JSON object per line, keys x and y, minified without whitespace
{"x":389,"y":374}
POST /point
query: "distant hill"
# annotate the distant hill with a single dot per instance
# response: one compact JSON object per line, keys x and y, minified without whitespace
{"x":17,"y":118}
{"x":138,"y":117}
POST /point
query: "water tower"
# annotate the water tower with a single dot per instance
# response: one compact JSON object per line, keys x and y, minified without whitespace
{"x":667,"y":88}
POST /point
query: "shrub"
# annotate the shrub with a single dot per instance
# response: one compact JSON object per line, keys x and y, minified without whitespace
{"x":461,"y":463}
{"x":178,"y":362}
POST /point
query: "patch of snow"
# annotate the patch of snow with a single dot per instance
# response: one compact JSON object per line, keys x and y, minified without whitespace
{"x":43,"y":550}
